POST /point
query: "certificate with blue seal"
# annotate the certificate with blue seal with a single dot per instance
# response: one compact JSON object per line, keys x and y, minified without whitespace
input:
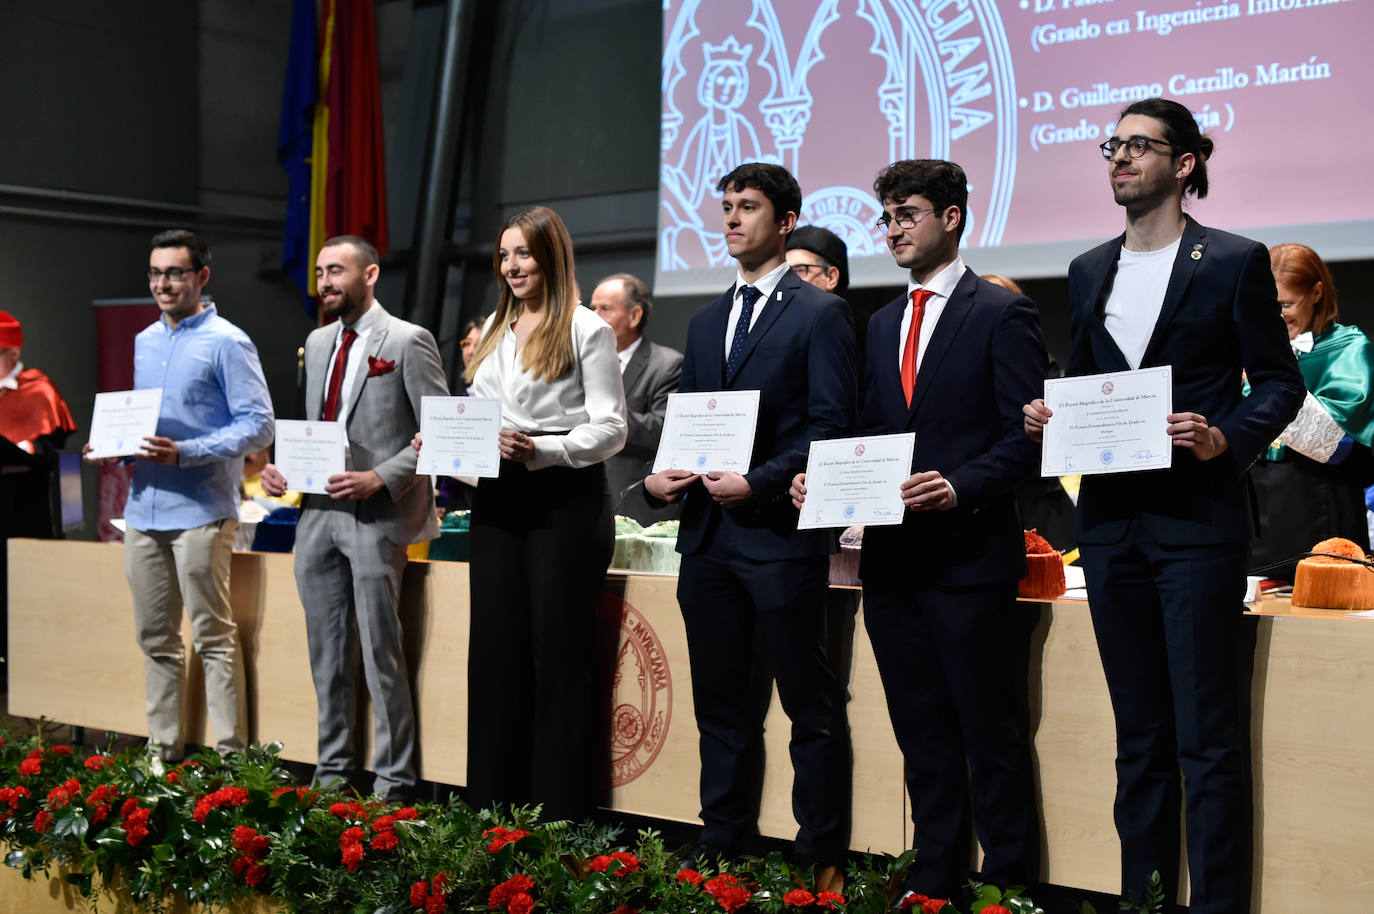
{"x":1108,"y":423}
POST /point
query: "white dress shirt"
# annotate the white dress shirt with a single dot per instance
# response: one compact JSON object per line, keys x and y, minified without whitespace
{"x":628,"y":353}
{"x":941,"y":287}
{"x":1137,"y":297}
{"x":766,"y":284}
{"x":576,"y":420}
{"x":364,"y":327}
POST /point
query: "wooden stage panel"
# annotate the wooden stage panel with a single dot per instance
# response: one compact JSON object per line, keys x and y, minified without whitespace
{"x":74,"y":660}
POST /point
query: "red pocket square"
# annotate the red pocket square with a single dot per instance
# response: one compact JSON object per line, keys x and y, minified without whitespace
{"x":376,"y":366}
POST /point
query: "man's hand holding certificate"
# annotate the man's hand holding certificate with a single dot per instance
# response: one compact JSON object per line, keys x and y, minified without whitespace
{"x":459,"y":436}
{"x":709,"y":432}
{"x":309,"y":453}
{"x":122,"y":420}
{"x":1108,"y":423}
{"x":853,"y":481}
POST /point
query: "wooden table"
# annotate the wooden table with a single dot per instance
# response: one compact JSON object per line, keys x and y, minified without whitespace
{"x":74,"y":660}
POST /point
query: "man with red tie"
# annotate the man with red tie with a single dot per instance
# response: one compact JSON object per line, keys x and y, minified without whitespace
{"x":947,"y":361}
{"x":367,"y":370}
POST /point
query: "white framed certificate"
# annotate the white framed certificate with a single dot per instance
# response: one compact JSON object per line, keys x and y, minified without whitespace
{"x":709,"y":432}
{"x":460,"y":436}
{"x":1108,"y":423}
{"x":853,"y":481}
{"x":122,"y":419}
{"x":308,"y":453}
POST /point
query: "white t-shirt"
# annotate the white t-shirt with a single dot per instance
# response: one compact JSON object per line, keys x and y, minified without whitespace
{"x":1142,"y":278}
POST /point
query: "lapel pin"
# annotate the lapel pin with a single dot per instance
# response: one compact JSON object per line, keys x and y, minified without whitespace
{"x":1197,"y":254}
{"x":779,"y":295}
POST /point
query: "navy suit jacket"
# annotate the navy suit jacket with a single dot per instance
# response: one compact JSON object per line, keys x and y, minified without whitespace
{"x":986,"y":357}
{"x":799,"y":355}
{"x":1220,"y":316}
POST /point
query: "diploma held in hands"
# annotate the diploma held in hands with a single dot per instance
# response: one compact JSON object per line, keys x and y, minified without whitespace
{"x":308,"y":453}
{"x":1108,"y":423}
{"x":460,"y":436}
{"x":709,"y":432}
{"x":122,"y":419}
{"x":856,"y":481}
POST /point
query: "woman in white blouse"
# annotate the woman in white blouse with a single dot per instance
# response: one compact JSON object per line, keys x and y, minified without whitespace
{"x":542,"y":533}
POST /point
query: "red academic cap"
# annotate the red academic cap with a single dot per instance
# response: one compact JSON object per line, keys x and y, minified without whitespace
{"x":11,"y":332}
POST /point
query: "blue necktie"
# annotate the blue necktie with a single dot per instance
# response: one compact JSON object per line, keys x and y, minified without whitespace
{"x":750,"y":295}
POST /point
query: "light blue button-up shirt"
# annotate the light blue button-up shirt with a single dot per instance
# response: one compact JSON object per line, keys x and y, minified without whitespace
{"x":215,"y":406}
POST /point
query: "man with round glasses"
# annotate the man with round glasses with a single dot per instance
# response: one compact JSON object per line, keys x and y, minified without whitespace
{"x":182,"y":511}
{"x":1165,"y":551}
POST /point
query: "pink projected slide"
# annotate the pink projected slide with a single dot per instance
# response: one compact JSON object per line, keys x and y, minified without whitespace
{"x":1020,"y":93}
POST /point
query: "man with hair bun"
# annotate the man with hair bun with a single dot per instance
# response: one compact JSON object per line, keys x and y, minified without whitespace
{"x":1165,"y":551}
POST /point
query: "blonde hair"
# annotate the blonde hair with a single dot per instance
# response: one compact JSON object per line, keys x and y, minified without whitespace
{"x":548,"y":352}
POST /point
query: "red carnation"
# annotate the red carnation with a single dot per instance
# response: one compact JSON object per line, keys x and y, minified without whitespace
{"x":63,"y":793}
{"x":831,"y":899}
{"x":96,"y":762}
{"x":692,"y":876}
{"x":435,"y":904}
{"x":242,"y":838}
{"x":799,"y":898}
{"x":521,"y":904}
{"x":61,"y":750}
{"x":353,"y":857}
{"x":42,"y":822}
{"x":30,"y":766}
{"x":407,"y":812}
{"x":225,"y":796}
{"x":728,"y":892}
{"x":136,"y":826}
{"x":385,"y":841}
{"x":502,"y":836}
{"x":239,"y":865}
{"x":503,"y":893}
{"x":418,"y":891}
{"x":254,"y":874}
{"x":129,"y":806}
{"x":441,"y":883}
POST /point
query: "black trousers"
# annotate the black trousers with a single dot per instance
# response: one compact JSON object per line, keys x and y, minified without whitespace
{"x":727,"y":601}
{"x":1170,"y":629}
{"x":541,"y":543}
{"x":953,"y":662}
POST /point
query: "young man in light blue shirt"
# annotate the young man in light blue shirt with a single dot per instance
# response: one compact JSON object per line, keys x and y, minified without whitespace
{"x":183,"y":505}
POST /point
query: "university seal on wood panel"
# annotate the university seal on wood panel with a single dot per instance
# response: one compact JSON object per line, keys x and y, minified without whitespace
{"x":641,"y":692}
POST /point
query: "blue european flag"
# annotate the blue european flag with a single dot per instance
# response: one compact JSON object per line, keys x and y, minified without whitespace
{"x":294,"y":140}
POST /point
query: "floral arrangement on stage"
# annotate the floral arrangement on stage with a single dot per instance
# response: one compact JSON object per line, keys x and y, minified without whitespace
{"x":219,"y":831}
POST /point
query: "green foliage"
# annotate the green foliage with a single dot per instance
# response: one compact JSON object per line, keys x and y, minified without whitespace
{"x":218,"y":830}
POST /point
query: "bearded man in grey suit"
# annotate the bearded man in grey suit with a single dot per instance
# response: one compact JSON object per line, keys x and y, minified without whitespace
{"x":369,"y":371}
{"x":650,"y":373}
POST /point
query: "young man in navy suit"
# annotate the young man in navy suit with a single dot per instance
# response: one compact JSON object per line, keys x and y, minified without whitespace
{"x":952,"y":360}
{"x":745,"y":566}
{"x":1165,"y":551}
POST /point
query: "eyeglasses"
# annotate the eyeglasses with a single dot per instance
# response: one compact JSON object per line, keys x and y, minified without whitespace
{"x":173,"y":274}
{"x":1135,"y":146}
{"x":905,"y":218}
{"x":805,"y":268}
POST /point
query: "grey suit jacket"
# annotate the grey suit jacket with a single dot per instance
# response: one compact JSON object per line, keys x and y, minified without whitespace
{"x":650,"y":377}
{"x":400,"y":365}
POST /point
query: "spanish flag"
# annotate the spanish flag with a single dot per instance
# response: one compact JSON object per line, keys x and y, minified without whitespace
{"x":347,"y":187}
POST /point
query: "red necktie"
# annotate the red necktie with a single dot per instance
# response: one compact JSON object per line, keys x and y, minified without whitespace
{"x":913,"y":341}
{"x":331,"y":401}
